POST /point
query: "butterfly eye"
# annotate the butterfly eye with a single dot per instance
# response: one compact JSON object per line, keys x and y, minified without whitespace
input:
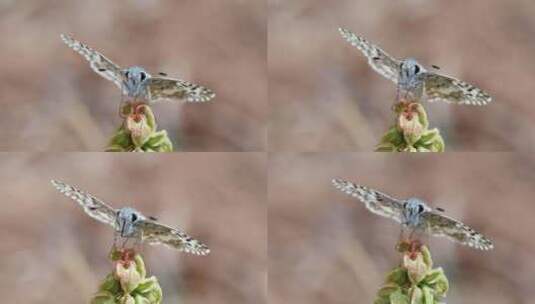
{"x":420,"y":208}
{"x":416,"y":69}
{"x":134,"y":217}
{"x":126,"y":74}
{"x":143,"y":76}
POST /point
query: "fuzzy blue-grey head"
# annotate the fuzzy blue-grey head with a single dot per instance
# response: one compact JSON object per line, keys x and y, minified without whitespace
{"x":135,"y":79}
{"x":126,"y":221}
{"x":412,"y":209}
{"x":408,"y":70}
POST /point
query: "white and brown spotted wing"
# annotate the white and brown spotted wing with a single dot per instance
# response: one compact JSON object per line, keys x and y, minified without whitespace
{"x":378,"y":59}
{"x":450,"y":90}
{"x":100,"y":64}
{"x":92,"y":206}
{"x":156,"y":233}
{"x":440,"y":225}
{"x":377,"y":202}
{"x":163,"y":88}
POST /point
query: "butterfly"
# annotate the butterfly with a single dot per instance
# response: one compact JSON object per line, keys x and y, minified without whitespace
{"x":130,"y":223}
{"x":414,"y":80}
{"x":136,"y":83}
{"x":415,"y":214}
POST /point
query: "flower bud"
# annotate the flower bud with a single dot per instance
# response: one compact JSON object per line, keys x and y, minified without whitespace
{"x":128,"y":276}
{"x":412,"y":121}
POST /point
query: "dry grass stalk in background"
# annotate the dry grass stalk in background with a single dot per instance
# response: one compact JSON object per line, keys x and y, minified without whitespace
{"x":138,"y":133}
{"x":411,"y":133}
{"x":415,"y":281}
{"x":127,"y":284}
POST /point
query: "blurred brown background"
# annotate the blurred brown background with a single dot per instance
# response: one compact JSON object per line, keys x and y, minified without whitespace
{"x":52,"y":101}
{"x":326,"y":247}
{"x":53,"y":253}
{"x":325,"y":97}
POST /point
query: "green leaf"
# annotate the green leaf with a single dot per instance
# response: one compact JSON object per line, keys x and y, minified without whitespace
{"x":387,"y":290}
{"x":103,"y":297}
{"x":437,"y":280}
{"x":393,"y":136}
{"x":110,"y":284}
{"x":422,"y":116}
{"x":398,"y":276}
{"x":399,"y":298}
{"x":416,"y":295}
{"x":386,"y":147}
{"x":150,"y":289}
{"x":142,"y":300}
{"x":426,"y":255}
{"x":140,"y":266}
{"x":428,"y":295}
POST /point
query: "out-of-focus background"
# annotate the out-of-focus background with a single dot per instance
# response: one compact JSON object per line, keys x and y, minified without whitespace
{"x":326,"y":247}
{"x":325,"y":97}
{"x":52,"y":252}
{"x":52,"y":101}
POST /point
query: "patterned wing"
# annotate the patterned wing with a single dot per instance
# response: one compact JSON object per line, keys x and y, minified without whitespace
{"x":94,"y":207}
{"x":100,"y":64}
{"x":451,"y":90}
{"x":173,"y":89}
{"x":155,"y":233}
{"x":379,"y":60}
{"x":440,"y":225}
{"x":375,"y":201}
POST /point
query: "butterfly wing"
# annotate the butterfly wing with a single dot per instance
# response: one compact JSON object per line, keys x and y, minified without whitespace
{"x":441,"y":225}
{"x":175,"y":89}
{"x":378,"y":59}
{"x":447,"y":89}
{"x":375,"y":201}
{"x":94,"y":207}
{"x":100,"y":64}
{"x":156,"y":233}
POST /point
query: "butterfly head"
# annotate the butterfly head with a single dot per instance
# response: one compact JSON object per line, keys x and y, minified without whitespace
{"x":134,"y":80}
{"x":412,"y":209}
{"x":126,"y":220}
{"x":409,"y":69}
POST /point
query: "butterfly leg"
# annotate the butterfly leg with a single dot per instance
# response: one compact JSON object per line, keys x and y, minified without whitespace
{"x":125,"y":242}
{"x":122,"y":106}
{"x":397,"y":100}
{"x":114,"y":245}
